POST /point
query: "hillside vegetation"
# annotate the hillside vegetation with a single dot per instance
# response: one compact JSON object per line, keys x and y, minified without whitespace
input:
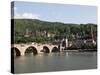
{"x":33,"y":30}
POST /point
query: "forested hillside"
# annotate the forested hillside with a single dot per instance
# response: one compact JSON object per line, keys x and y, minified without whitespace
{"x":33,"y":30}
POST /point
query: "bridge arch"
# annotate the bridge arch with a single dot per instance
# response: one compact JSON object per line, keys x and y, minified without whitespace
{"x":55,"y":49}
{"x":31,"y":49}
{"x":15,"y":51}
{"x":46,"y":49}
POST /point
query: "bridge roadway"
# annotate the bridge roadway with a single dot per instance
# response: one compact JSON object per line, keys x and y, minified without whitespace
{"x":20,"y":49}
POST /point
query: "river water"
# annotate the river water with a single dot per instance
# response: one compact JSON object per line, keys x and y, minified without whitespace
{"x":55,"y":62}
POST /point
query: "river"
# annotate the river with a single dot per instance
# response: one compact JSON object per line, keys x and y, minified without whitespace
{"x":55,"y":62}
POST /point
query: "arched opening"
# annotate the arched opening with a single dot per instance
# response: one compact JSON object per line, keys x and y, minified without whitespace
{"x":30,"y":50}
{"x":64,"y":43}
{"x":46,"y":49}
{"x":55,"y":49}
{"x":15,"y":52}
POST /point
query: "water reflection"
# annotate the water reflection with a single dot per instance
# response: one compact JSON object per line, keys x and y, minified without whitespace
{"x":55,"y":62}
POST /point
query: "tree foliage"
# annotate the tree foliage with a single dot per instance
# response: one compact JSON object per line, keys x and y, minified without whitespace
{"x":58,"y":30}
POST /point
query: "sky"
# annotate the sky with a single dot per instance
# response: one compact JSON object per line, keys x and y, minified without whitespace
{"x":52,"y":12}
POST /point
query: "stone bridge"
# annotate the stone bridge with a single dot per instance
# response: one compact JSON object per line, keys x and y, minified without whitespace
{"x":20,"y":49}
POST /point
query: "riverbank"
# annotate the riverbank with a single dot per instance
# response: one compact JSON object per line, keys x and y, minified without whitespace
{"x":81,"y":50}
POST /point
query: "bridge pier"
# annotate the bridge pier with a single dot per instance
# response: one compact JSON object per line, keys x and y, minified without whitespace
{"x":22,"y":53}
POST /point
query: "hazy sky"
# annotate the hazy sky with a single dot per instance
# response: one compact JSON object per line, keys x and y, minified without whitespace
{"x":56,"y":12}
